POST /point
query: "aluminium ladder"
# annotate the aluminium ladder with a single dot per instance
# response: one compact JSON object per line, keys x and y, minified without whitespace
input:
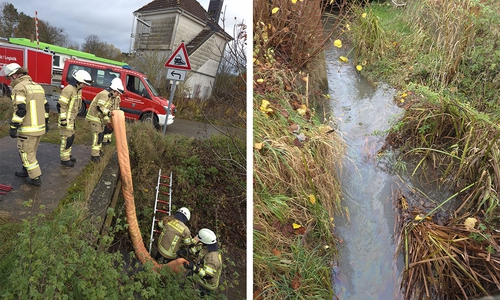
{"x":160,"y":193}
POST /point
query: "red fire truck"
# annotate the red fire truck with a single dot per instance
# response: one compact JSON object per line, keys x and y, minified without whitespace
{"x":38,"y":63}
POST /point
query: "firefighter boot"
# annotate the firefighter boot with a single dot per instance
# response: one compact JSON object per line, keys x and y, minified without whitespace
{"x":68,"y":163}
{"x":22,"y":173}
{"x":95,"y":159}
{"x":35,"y":181}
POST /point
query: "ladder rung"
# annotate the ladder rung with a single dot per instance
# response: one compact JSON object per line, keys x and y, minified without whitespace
{"x":165,"y":193}
{"x":162,"y":211}
{"x":162,"y":201}
{"x":164,"y":176}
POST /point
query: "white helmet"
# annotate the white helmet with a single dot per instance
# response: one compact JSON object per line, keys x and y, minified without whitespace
{"x":82,"y":76}
{"x":116,"y":85}
{"x":185,"y":212}
{"x":10,"y":69}
{"x":207,"y":236}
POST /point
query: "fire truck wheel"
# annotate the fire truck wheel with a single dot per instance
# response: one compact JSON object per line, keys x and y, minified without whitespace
{"x":83,"y":110}
{"x":150,"y":118}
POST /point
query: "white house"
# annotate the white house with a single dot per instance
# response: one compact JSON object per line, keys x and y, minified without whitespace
{"x":162,"y":25}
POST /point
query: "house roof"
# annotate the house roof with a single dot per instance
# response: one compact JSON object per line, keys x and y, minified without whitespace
{"x":191,"y":6}
{"x":194,"y":8}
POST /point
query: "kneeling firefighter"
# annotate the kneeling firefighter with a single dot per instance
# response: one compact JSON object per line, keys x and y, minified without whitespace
{"x":175,"y":235}
{"x":68,"y":106}
{"x":99,"y":115}
{"x":207,"y":268}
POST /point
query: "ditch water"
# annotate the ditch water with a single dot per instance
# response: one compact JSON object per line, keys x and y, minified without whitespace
{"x":366,"y":268}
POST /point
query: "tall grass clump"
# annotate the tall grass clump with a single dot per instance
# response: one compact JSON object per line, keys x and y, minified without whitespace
{"x":296,"y":196}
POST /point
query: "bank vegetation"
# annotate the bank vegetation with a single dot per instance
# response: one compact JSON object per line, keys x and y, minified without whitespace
{"x":296,"y":154}
{"x":444,"y":58}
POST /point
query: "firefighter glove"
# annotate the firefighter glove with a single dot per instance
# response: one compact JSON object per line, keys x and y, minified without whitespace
{"x":191,"y":266}
{"x":182,"y":252}
{"x":13,"y":130}
{"x":47,"y":125}
{"x":109,"y":128}
{"x":64,"y":122}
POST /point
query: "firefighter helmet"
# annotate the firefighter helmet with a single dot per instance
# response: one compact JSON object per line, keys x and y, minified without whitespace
{"x":10,"y":69}
{"x":207,"y":236}
{"x":186,"y":212}
{"x":82,"y":76}
{"x":116,"y":85}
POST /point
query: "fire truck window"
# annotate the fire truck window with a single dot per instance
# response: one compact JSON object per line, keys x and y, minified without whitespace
{"x":135,"y":85}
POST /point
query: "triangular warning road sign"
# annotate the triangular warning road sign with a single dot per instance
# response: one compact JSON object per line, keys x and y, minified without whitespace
{"x":179,"y":59}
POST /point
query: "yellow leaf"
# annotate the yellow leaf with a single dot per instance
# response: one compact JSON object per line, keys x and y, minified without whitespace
{"x":296,"y":226}
{"x":359,"y":67}
{"x":343,"y":59}
{"x":275,"y":10}
{"x":260,"y":80}
{"x":348,"y":26}
{"x":404,"y":95}
{"x":258,"y":146}
{"x":363,"y":15}
{"x":419,"y":217}
{"x":264,"y":106}
{"x":302,"y":110}
{"x":146,"y":190}
{"x":470,"y":223}
{"x":294,"y":1}
{"x":312,"y":199}
{"x":305,"y":79}
{"x":338,"y":43}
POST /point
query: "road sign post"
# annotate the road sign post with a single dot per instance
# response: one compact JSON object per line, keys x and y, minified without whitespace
{"x":177,"y":66}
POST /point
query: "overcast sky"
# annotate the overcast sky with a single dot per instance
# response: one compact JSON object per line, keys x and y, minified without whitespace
{"x":111,"y":20}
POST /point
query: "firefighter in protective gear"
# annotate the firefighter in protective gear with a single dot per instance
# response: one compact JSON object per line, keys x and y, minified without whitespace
{"x":99,"y":115}
{"x":68,"y":106}
{"x":175,"y":234}
{"x":207,"y":268}
{"x":30,"y":119}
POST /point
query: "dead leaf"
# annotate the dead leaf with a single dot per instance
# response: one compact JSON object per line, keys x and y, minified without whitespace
{"x":297,"y":142}
{"x":294,"y":128}
{"x":296,"y":281}
{"x":276,"y":252}
{"x":256,"y":294}
{"x":258,"y":146}
{"x":470,"y":223}
{"x":300,"y":231}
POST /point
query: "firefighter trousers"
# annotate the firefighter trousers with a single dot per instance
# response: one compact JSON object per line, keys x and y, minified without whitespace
{"x":67,"y":138}
{"x":97,"y":138}
{"x":28,"y":146}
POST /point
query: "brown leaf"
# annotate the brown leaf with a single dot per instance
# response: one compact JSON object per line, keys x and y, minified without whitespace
{"x":287,"y":230}
{"x":300,"y":231}
{"x":294,"y":128}
{"x":296,"y":281}
{"x":276,"y":252}
{"x":297,"y":142}
{"x":256,"y":294}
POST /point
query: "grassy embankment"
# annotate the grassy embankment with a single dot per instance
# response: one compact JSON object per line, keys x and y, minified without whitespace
{"x":209,"y":178}
{"x":296,"y":189}
{"x":444,"y":58}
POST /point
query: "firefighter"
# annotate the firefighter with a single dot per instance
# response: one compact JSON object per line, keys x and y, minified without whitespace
{"x":99,"y":115}
{"x":30,"y":119}
{"x":68,"y":106}
{"x":207,"y":268}
{"x":175,"y":235}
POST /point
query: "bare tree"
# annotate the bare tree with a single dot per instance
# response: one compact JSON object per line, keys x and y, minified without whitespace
{"x":50,"y":34}
{"x":9,"y":20}
{"x":93,"y":44}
